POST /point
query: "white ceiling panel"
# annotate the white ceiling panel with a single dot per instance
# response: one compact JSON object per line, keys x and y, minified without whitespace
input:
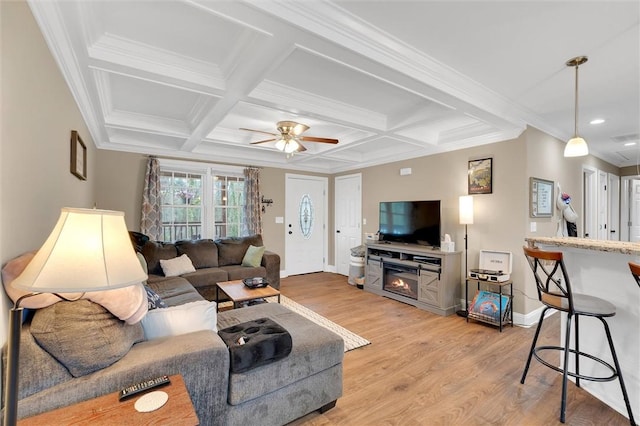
{"x":389,"y":79}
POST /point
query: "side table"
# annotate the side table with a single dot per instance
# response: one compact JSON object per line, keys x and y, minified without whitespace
{"x":108,"y":410}
{"x":500,"y":286}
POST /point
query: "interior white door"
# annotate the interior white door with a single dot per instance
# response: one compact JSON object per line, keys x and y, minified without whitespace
{"x":614,"y":206}
{"x":305,"y":229}
{"x":590,"y":197}
{"x":603,"y":202}
{"x":634,"y":212}
{"x":348,"y":216}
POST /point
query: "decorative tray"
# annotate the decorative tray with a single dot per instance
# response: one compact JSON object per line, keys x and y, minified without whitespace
{"x":257,"y":282}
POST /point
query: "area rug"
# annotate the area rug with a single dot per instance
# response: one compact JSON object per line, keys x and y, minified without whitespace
{"x":351,"y":340}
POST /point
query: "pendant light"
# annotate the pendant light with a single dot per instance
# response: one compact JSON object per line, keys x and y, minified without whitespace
{"x":576,"y":147}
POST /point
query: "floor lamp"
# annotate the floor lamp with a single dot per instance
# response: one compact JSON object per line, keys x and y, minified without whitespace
{"x":88,"y":250}
{"x":466,"y":218}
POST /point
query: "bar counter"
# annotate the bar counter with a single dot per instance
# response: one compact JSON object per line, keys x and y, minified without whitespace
{"x":600,"y":268}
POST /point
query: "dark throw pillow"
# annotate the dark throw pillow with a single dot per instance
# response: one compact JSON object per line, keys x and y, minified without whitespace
{"x":83,"y":336}
{"x":153,"y":300}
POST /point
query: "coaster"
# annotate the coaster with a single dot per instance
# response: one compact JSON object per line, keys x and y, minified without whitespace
{"x":151,"y":401}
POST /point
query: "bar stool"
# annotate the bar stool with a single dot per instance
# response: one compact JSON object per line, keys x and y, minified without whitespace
{"x":635,"y":271}
{"x":554,"y":291}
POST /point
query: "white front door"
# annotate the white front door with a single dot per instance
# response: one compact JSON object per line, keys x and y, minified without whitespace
{"x":348,"y":214}
{"x":305,"y":228}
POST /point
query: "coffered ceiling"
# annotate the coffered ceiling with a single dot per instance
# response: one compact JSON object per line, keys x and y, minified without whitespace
{"x":390,"y":79}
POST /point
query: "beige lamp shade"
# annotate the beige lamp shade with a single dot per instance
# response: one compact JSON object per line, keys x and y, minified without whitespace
{"x":88,"y":250}
{"x":576,"y":147}
{"x":466,"y":210}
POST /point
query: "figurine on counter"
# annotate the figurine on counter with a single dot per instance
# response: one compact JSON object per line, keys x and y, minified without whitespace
{"x":568,"y":217}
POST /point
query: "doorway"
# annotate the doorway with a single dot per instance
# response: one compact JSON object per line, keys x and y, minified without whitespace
{"x":305,"y":224}
{"x":348,"y":217}
{"x":630,"y":209}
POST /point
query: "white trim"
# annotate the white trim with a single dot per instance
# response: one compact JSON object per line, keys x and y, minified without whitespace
{"x":197,"y":166}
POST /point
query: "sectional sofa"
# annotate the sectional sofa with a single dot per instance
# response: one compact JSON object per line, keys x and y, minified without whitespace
{"x":75,"y":351}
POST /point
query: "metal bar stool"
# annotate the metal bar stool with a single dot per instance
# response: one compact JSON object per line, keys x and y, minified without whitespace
{"x":635,"y":271}
{"x":554,"y":291}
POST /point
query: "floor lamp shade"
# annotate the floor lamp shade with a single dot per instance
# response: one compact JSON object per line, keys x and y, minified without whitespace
{"x":88,"y":250}
{"x":466,"y":210}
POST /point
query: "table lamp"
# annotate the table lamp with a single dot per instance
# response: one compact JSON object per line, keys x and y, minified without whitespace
{"x":88,"y":250}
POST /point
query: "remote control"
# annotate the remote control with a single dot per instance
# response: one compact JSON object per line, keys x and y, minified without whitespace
{"x":143,"y":386}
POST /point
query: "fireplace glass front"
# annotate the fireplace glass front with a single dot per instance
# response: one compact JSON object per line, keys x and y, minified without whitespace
{"x":400,"y":279}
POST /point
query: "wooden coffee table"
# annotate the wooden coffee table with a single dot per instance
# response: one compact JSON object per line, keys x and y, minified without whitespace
{"x":238,"y":292}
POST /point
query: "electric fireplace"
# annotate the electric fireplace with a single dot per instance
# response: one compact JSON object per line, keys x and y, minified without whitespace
{"x":400,"y":279}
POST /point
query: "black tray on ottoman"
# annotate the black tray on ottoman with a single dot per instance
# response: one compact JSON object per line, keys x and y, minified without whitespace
{"x":255,"y":343}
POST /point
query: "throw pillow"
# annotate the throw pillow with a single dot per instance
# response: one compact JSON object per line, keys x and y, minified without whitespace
{"x":154,"y":301}
{"x":83,"y":336}
{"x":253,"y":256}
{"x":181,"y":319}
{"x":177,"y":266}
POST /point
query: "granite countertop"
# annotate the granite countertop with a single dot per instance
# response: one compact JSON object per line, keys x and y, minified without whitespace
{"x":623,"y":247}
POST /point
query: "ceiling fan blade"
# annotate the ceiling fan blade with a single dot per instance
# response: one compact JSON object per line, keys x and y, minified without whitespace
{"x":301,"y":148}
{"x":263,"y":141}
{"x":259,"y":131}
{"x":315,"y":139}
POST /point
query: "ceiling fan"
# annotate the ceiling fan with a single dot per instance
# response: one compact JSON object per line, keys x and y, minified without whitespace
{"x":288,"y":140}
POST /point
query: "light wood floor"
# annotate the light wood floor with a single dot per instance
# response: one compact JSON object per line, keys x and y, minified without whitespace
{"x":424,"y":369}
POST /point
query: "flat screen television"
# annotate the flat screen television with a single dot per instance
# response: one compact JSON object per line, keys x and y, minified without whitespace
{"x":413,"y":222}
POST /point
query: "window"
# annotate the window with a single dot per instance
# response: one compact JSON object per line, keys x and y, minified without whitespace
{"x":181,"y":206}
{"x":228,"y":192}
{"x":201,"y":201}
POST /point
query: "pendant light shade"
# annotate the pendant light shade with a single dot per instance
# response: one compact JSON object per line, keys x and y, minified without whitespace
{"x":577,"y":146}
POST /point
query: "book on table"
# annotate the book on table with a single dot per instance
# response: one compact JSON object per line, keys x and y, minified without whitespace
{"x":486,"y":306}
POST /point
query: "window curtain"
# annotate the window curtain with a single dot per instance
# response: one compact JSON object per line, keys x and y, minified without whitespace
{"x":151,"y":222}
{"x":252,"y":216}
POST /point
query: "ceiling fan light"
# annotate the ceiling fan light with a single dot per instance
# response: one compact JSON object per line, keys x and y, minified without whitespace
{"x":292,"y":146}
{"x":281,"y":144}
{"x":576,"y":147}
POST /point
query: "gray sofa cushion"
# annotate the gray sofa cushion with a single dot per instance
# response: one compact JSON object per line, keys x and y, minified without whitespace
{"x":315,"y":349}
{"x":206,"y":277}
{"x":237,"y":272}
{"x":153,"y":251}
{"x":38,"y":370}
{"x":203,"y":253}
{"x":231,"y":251}
{"x":83,"y":336}
{"x":175,"y":291}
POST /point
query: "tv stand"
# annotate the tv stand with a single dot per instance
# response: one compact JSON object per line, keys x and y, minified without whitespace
{"x":435,"y":275}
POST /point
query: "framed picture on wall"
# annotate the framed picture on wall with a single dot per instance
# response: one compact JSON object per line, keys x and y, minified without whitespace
{"x":540,"y":197}
{"x":78,"y":156}
{"x":481,"y":176}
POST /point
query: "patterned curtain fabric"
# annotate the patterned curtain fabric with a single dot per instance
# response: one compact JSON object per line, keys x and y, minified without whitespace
{"x":252,"y":216}
{"x":151,"y":222}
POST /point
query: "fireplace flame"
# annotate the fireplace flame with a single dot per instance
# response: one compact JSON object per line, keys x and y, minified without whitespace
{"x":399,"y":283}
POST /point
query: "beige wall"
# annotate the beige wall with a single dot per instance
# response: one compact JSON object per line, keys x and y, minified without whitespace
{"x":38,"y":114}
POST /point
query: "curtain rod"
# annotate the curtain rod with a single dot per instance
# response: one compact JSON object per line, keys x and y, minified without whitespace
{"x":160,"y":157}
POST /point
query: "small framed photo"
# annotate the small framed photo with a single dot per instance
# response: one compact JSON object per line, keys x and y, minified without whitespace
{"x":540,"y":197}
{"x":78,"y":156}
{"x":481,"y":176}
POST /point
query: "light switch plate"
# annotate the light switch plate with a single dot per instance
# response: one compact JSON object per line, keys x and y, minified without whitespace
{"x":279,"y":219}
{"x":534,"y":226}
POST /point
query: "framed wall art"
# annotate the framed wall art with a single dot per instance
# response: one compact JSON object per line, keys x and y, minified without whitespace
{"x":540,"y":197}
{"x":481,"y":176}
{"x":78,"y":156}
